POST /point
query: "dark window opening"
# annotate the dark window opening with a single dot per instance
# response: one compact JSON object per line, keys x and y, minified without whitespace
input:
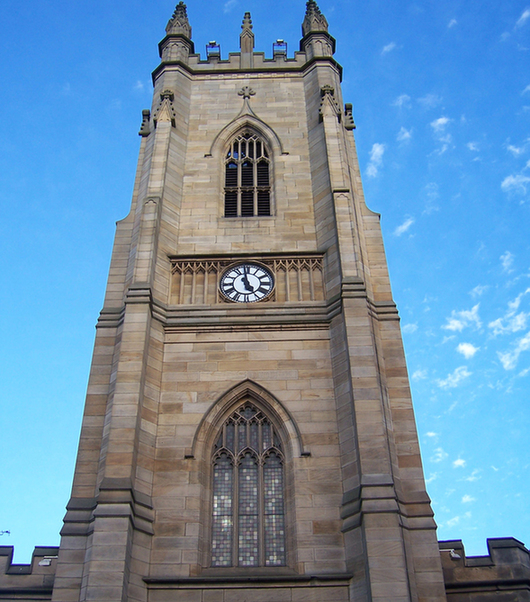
{"x":247,"y":178}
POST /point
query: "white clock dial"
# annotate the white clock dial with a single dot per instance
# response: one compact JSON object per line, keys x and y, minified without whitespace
{"x":247,"y":283}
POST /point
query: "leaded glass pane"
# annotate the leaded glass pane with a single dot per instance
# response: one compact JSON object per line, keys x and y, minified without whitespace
{"x":254,"y":436}
{"x":230,"y":428}
{"x":241,"y":435}
{"x":255,"y":536}
{"x":222,"y":526}
{"x":274,"y":513}
{"x":248,"y":512}
{"x":267,"y":436}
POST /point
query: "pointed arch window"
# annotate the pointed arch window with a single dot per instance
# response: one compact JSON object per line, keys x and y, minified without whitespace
{"x":248,"y":518}
{"x":247,"y":177}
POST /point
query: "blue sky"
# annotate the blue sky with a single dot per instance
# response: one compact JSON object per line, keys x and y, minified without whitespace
{"x":441,"y":95}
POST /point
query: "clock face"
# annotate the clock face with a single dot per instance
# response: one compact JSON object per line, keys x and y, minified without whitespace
{"x":247,"y":283}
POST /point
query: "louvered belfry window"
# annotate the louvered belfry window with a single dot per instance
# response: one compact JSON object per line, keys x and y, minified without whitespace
{"x":248,"y":520}
{"x":247,"y":177}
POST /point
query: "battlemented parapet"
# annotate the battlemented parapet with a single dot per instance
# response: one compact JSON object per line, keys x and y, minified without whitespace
{"x":503,"y":575}
{"x":25,"y":582}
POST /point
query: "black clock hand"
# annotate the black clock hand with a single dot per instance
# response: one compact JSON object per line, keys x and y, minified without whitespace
{"x":247,"y":284}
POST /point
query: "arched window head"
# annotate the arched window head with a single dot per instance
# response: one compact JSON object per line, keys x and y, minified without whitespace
{"x":248,"y":518}
{"x":247,"y":177}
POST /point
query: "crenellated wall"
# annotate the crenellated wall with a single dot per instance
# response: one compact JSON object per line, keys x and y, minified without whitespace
{"x":502,"y":576}
{"x":24,"y":582}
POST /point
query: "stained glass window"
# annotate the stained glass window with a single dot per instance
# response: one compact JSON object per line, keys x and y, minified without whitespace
{"x":248,"y":523}
{"x":247,"y":177}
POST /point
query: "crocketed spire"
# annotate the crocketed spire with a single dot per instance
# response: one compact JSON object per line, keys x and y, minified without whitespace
{"x":314,"y":19}
{"x":179,"y":24}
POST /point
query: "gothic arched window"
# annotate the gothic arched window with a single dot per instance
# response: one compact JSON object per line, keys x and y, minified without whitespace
{"x":248,"y":519}
{"x":247,"y":177}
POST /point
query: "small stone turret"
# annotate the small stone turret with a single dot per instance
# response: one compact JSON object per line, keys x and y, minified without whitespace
{"x":316,"y":41}
{"x":177,"y":44}
{"x":246,"y":43}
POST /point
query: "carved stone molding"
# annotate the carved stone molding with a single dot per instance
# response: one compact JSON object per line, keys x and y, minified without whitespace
{"x":166,"y":109}
{"x":328,"y":99}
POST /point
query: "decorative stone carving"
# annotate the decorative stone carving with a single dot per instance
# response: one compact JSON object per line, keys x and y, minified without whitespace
{"x":349,"y":124}
{"x":314,"y":19}
{"x":144,"y":128}
{"x":166,"y":110}
{"x":179,"y":24}
{"x":328,"y":99}
{"x":246,"y":92}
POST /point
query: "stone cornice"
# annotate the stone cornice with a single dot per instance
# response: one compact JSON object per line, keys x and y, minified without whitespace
{"x":231,"y":68}
{"x":231,"y":316}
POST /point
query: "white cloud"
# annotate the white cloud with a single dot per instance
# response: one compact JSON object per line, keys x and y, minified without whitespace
{"x":467,"y":499}
{"x":376,"y":159}
{"x":452,"y":23}
{"x":438,"y":125}
{"x":429,"y":101}
{"x":510,"y":358}
{"x":453,"y":380}
{"x":474,"y":476}
{"x":400,"y":230}
{"x":527,"y":89}
{"x":479,"y":290}
{"x":432,"y":193}
{"x":461,"y":319}
{"x":410,"y":328}
{"x":139,"y":86}
{"x":507,"y":261}
{"x":516,"y":183}
{"x":512,"y":321}
{"x":431,"y":435}
{"x":431,"y":478}
{"x":460,"y":463}
{"x":510,"y":325}
{"x":439,"y":455}
{"x":229,"y":5}
{"x":404,"y":135}
{"x":420,"y":375}
{"x":473,"y":146}
{"x":402,"y":101}
{"x":452,"y":522}
{"x":523,"y":18}
{"x":516,"y":150}
{"x":467,"y":350}
{"x":388,"y":48}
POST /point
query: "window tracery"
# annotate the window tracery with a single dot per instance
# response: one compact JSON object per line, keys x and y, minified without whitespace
{"x":248,"y":518}
{"x":247,"y":177}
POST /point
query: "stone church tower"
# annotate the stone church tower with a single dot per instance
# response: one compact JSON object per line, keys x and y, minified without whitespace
{"x":248,"y":432}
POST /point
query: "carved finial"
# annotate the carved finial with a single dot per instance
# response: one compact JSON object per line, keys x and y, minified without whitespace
{"x":246,"y":92}
{"x":314,"y":19}
{"x":246,"y":43}
{"x":247,"y":22}
{"x":179,"y":22}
